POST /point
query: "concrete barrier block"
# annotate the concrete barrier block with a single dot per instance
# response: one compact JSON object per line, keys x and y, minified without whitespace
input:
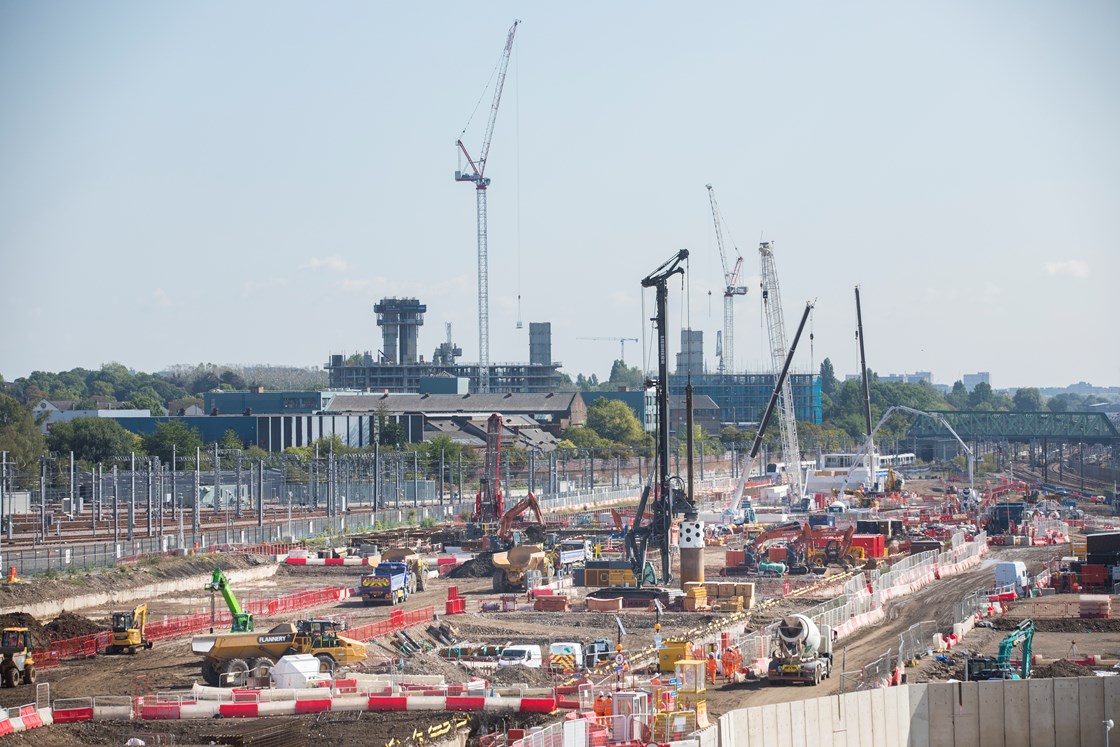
{"x":991,"y":713}
{"x":1067,"y":717}
{"x":1040,"y":704}
{"x":918,"y":715}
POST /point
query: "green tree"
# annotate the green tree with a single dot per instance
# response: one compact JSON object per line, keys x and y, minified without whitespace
{"x":93,"y":440}
{"x":828,"y":377}
{"x":1027,"y":399}
{"x":173,"y":433}
{"x":980,"y":398}
{"x":20,"y":436}
{"x":615,"y":422}
{"x":958,"y":397}
{"x":582,"y":437}
{"x":146,"y":402}
{"x":230,"y":440}
{"x":623,"y":376}
{"x":1059,"y":403}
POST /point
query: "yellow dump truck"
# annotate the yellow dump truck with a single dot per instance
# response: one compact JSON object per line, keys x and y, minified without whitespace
{"x":511,"y":568}
{"x":230,"y":658}
{"x":412,"y":558}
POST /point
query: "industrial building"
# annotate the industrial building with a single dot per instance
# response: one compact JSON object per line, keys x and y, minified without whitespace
{"x":398,"y":367}
{"x":742,"y":398}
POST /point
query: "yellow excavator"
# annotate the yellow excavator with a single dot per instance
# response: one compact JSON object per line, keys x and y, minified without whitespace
{"x":129,"y":631}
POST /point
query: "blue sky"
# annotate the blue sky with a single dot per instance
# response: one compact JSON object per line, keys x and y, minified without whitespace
{"x":239,"y":183}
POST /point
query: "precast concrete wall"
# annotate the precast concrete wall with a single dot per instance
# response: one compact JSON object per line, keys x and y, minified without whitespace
{"x":1064,"y":712}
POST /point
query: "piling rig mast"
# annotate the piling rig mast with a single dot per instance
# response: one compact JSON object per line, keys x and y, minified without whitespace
{"x":488,"y":501}
{"x":670,"y":498}
{"x":775,"y":323}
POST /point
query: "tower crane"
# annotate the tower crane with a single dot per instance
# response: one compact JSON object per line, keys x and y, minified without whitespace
{"x":772,"y":302}
{"x":477,"y":175}
{"x":620,"y":340}
{"x":730,"y":290}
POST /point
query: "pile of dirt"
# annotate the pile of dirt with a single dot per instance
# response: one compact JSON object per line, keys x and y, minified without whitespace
{"x":39,"y":635}
{"x":480,"y":566}
{"x":1062,"y":668}
{"x":432,"y":664}
{"x":519,"y":675}
{"x":1063,"y":624}
{"x":70,"y":625}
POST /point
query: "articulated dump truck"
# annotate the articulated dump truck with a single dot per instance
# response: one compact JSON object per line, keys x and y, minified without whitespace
{"x":231,"y":658}
{"x":511,"y":568}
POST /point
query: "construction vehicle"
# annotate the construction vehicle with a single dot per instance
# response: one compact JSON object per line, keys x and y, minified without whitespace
{"x":242,"y":621}
{"x":999,"y":667}
{"x":488,"y":499}
{"x":18,"y":665}
{"x":512,"y":567}
{"x":389,"y":582}
{"x":787,"y":533}
{"x":803,"y":652}
{"x":831,"y":547}
{"x":415,"y":564}
{"x":129,"y":631}
{"x":506,"y":535}
{"x":231,"y":658}
{"x":731,"y":289}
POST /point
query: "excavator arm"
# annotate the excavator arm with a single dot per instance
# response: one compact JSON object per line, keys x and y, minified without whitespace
{"x":242,"y":620}
{"x":528,"y":503}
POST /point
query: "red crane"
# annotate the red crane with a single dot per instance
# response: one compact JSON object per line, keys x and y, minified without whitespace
{"x":488,"y":500}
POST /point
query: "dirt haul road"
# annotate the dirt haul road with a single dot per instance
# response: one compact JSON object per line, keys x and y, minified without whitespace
{"x":939,"y":601}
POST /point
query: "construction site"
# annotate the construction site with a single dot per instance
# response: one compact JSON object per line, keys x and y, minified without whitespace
{"x":824,"y":606}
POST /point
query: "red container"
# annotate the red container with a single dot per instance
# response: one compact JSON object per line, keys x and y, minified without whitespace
{"x":777,"y":554}
{"x":874,"y":545}
{"x":733,"y":558}
{"x":452,"y":592}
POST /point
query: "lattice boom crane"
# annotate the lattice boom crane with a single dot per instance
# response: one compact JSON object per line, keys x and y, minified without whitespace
{"x":730,"y":290}
{"x":477,"y":175}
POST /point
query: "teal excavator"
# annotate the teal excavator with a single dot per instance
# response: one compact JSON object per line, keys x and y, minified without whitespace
{"x":242,"y":620}
{"x":999,"y":667}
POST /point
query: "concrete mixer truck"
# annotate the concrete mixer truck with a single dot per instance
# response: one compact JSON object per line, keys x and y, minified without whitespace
{"x":803,"y":652}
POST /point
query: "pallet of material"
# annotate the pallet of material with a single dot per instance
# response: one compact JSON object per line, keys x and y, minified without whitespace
{"x":1096,"y":605}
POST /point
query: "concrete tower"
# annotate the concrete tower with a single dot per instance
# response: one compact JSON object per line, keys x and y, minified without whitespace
{"x":400,"y":320}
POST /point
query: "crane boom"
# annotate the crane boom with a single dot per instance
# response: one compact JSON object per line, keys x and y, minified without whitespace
{"x":477,"y":175}
{"x":772,"y":300}
{"x":730,"y":289}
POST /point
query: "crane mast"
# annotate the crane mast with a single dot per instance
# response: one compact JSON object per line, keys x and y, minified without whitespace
{"x":477,"y":175}
{"x":772,"y":302}
{"x":731,"y":288}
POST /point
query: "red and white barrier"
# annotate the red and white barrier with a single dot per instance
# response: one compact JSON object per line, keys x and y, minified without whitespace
{"x":151,"y":708}
{"x":291,"y":560}
{"x":24,"y":718}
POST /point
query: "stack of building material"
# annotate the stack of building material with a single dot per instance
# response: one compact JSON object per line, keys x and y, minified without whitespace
{"x":695,"y":596}
{"x":276,"y":732}
{"x":1096,"y":605}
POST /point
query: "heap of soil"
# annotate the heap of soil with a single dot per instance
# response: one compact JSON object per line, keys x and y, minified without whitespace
{"x":432,"y":664}
{"x":70,"y":625}
{"x":480,"y":566}
{"x":39,"y":635}
{"x":519,"y":675}
{"x":1062,"y":668}
{"x":1062,"y":624}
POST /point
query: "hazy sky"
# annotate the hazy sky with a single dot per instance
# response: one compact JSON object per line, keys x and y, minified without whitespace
{"x":240,"y":182}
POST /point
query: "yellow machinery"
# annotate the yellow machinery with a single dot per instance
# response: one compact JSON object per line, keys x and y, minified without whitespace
{"x":672,"y":651}
{"x":129,"y":631}
{"x":17,"y":665}
{"x":512,"y":567}
{"x":415,"y":563}
{"x":232,"y":657}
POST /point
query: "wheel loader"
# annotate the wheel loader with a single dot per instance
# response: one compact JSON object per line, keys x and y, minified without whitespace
{"x":17,"y":665}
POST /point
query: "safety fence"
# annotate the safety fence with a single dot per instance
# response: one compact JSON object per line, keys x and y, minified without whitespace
{"x":861,"y":602}
{"x":184,"y":625}
{"x":398,"y":620}
{"x":916,"y":641}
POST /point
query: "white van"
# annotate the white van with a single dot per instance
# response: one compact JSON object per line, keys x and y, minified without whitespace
{"x":526,"y":655}
{"x":1012,"y":573}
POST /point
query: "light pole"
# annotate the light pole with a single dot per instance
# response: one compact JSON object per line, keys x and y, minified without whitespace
{"x":1107,"y":728}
